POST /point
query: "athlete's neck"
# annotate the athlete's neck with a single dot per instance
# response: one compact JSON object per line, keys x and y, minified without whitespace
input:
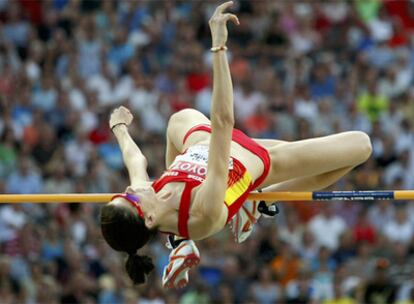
{"x":167,"y":209}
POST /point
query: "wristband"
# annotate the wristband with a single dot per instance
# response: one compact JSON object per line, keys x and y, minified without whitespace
{"x":216,"y":49}
{"x":118,"y":124}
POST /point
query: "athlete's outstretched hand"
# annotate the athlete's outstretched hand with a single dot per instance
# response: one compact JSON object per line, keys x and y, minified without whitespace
{"x":218,"y":24}
{"x":120,"y":116}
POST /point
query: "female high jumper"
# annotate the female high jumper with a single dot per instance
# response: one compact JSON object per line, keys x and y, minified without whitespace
{"x":211,"y":168}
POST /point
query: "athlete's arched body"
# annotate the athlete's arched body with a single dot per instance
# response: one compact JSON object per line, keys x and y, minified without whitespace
{"x":195,"y":199}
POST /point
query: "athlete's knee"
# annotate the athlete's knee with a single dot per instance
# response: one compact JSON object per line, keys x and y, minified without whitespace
{"x":363,"y":145}
{"x":178,"y":120}
{"x":175,"y":120}
{"x":182,"y":115}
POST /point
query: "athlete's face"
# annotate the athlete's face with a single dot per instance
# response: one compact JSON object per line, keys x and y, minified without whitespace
{"x":147,"y":201}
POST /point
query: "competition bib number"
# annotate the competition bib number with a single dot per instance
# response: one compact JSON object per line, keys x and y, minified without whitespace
{"x":194,"y":161}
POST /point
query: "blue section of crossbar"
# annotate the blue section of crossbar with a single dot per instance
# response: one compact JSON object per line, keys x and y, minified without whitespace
{"x":353,"y":195}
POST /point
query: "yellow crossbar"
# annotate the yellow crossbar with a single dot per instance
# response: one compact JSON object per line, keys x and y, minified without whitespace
{"x":266,"y":196}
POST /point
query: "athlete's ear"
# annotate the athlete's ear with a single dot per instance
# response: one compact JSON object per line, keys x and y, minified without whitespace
{"x":150,"y":221}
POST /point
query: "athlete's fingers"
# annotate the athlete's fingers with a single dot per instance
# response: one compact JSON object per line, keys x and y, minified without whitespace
{"x":222,"y":7}
{"x":129,"y":190}
{"x":124,"y":109}
{"x":232,"y":17}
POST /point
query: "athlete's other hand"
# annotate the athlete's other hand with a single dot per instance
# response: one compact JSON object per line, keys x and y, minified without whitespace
{"x":119,"y":116}
{"x":130,"y":190}
{"x":218,"y":24}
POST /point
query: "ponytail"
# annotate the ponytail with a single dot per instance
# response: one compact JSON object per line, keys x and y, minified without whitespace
{"x":125,"y":231}
{"x":138,"y":266}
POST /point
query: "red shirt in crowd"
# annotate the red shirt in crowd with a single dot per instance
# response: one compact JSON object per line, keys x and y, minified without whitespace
{"x":364,"y":232}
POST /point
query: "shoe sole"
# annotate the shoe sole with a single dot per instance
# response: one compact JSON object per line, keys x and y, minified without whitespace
{"x":190,"y":261}
{"x":248,"y":225}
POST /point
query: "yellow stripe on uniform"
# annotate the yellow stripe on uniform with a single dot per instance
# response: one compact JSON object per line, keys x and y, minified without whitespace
{"x":238,"y":189}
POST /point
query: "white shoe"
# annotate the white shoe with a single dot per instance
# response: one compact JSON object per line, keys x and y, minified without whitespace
{"x":182,"y":259}
{"x":242,"y":223}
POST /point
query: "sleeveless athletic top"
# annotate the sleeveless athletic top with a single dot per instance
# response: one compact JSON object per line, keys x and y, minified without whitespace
{"x":190,"y":168}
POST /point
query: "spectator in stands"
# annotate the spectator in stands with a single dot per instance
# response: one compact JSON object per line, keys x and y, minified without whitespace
{"x":327,"y":227}
{"x":400,"y":228}
{"x":380,"y":288}
{"x":25,"y":180}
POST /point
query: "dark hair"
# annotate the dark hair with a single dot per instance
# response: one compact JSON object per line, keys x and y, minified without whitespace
{"x":125,"y":231}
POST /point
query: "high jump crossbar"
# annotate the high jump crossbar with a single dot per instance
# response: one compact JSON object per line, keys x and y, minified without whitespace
{"x":266,"y":196}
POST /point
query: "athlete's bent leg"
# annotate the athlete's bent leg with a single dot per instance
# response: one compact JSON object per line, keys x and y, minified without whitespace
{"x":310,"y":183}
{"x":178,"y":126}
{"x":171,"y":151}
{"x":315,"y":158}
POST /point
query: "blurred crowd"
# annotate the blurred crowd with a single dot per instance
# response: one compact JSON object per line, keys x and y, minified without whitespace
{"x":300,"y":70}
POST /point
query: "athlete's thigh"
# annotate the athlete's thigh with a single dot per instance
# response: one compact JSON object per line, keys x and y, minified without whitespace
{"x":317,"y":156}
{"x":269,"y":143}
{"x":180,"y":123}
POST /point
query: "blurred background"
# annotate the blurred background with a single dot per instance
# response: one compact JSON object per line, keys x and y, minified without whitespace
{"x":300,"y":69}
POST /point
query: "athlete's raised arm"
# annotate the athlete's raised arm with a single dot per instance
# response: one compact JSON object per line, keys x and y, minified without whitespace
{"x":212,"y":192}
{"x":134,"y":160}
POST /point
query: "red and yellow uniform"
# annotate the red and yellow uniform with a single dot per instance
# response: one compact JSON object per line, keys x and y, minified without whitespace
{"x":191,"y":169}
